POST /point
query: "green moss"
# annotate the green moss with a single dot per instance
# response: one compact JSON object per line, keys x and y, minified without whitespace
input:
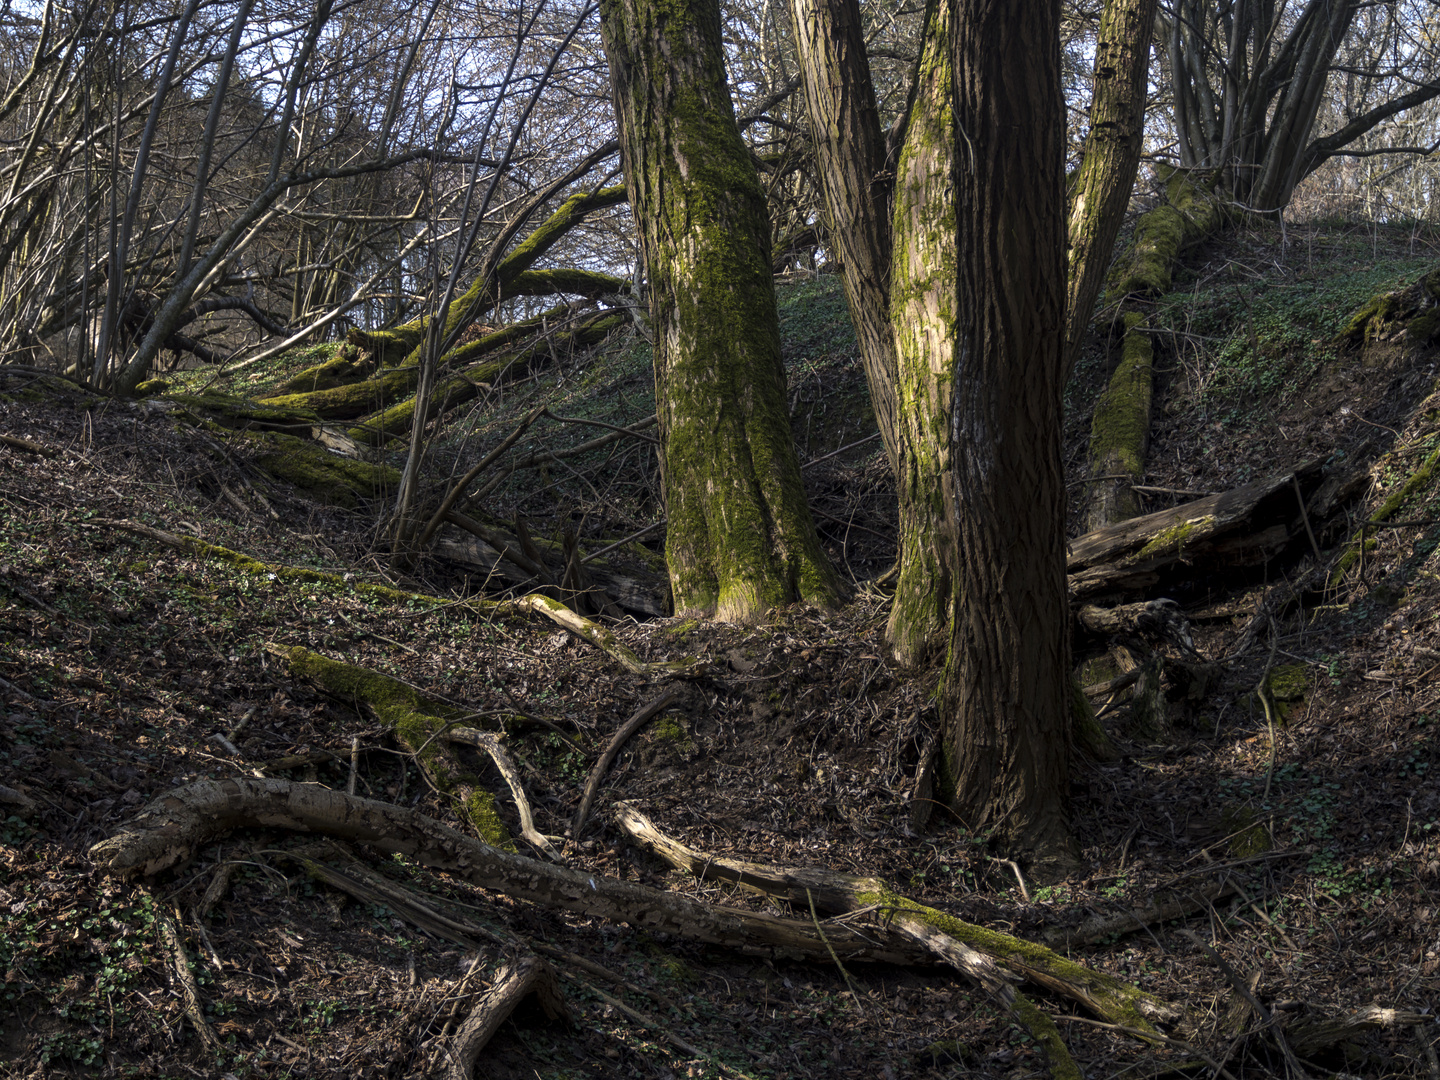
{"x":1188,"y":215}
{"x":1289,"y":682}
{"x":1120,"y":427}
{"x":1090,"y":736}
{"x":1420,"y":478}
{"x":231,"y":411}
{"x":332,"y":478}
{"x":345,"y":368}
{"x":151,"y":387}
{"x":480,"y":810}
{"x":355,"y":399}
{"x":1118,"y":1002}
{"x":1170,"y":540}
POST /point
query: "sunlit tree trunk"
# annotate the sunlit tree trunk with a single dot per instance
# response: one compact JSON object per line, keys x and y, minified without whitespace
{"x":1007,"y":686}
{"x":740,"y":538}
{"x":1112,"y":154}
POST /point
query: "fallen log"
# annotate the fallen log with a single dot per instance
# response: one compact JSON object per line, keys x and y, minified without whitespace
{"x":172,"y":828}
{"x":1244,"y":527}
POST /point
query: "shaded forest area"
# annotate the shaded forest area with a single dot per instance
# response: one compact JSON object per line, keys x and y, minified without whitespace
{"x":1258,"y":862}
{"x":659,"y":539}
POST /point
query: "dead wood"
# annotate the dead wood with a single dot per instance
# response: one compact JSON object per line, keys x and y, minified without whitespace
{"x":461,"y":485}
{"x":1239,"y":528}
{"x":643,"y":716}
{"x":189,"y":992}
{"x":991,"y":958}
{"x":488,"y":553}
{"x":518,"y":979}
{"x":490,"y":743}
{"x":1311,"y":1036}
{"x":172,"y":828}
{"x":607,"y":642}
{"x":1161,"y":908}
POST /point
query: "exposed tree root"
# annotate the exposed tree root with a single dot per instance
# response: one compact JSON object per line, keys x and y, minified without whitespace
{"x":606,"y":641}
{"x":525,"y":975}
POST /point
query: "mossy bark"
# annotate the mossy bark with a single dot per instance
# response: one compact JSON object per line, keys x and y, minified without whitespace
{"x":418,"y":723}
{"x":740,"y":539}
{"x":513,"y":276}
{"x":352,"y":400}
{"x":327,"y":477}
{"x":378,"y":428}
{"x":1101,"y":190}
{"x":923,"y":306}
{"x":1188,"y":214}
{"x":1120,"y":431}
{"x":1007,"y":700}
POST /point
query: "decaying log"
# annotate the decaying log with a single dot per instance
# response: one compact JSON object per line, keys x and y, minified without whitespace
{"x":991,"y":958}
{"x":607,"y":642}
{"x":189,"y":992}
{"x":1311,"y":1036}
{"x":489,"y":556}
{"x":490,"y":743}
{"x":1160,"y":908}
{"x":170,"y":830}
{"x":1243,"y":527}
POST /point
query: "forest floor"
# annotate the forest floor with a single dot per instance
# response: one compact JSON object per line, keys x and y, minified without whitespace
{"x":122,"y":660}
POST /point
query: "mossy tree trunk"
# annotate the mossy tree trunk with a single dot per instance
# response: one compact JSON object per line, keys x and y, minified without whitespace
{"x":894,"y":236}
{"x":1112,"y":154}
{"x":923,"y":306}
{"x":1120,"y":431}
{"x":740,"y":537}
{"x":1008,"y":685}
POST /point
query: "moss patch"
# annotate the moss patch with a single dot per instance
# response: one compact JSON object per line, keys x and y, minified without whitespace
{"x":337,"y":480}
{"x":1247,"y":837}
{"x":1170,"y":540}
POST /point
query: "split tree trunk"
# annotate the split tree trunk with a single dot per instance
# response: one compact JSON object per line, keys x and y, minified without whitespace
{"x":740,"y":537}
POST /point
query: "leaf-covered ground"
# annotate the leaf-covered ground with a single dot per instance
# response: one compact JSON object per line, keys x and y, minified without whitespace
{"x":127,"y":666}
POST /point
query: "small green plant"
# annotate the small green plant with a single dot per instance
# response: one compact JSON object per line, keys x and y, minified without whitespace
{"x":82,"y":1049}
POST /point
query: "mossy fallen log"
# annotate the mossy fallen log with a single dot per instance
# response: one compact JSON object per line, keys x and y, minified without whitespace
{"x":350,"y":401}
{"x":1188,"y":214}
{"x":1411,"y":313}
{"x":346,"y":367}
{"x":236,"y":413}
{"x":419,"y":724}
{"x":327,"y":477}
{"x":1235,"y":529}
{"x":394,"y":422}
{"x":1120,"y":430}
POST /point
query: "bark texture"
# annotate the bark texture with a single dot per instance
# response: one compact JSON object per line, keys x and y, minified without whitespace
{"x":923,"y":305}
{"x":1007,"y":705}
{"x":1112,"y":154}
{"x":851,"y":155}
{"x":740,"y":538}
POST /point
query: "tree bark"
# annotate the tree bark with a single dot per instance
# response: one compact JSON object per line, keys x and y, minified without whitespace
{"x":740,"y":538}
{"x":1007,"y":686}
{"x":923,"y":305}
{"x":851,"y":162}
{"x":1112,"y":154}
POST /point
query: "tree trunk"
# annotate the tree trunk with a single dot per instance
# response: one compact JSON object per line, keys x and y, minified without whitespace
{"x":923,"y":305}
{"x":1007,"y":687}
{"x":740,"y":537}
{"x":851,"y":161}
{"x":1112,"y":154}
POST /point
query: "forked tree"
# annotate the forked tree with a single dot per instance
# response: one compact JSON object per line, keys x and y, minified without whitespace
{"x":740,"y":538}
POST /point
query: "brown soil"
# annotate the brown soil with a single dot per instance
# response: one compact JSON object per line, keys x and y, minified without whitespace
{"x":122,"y":661}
